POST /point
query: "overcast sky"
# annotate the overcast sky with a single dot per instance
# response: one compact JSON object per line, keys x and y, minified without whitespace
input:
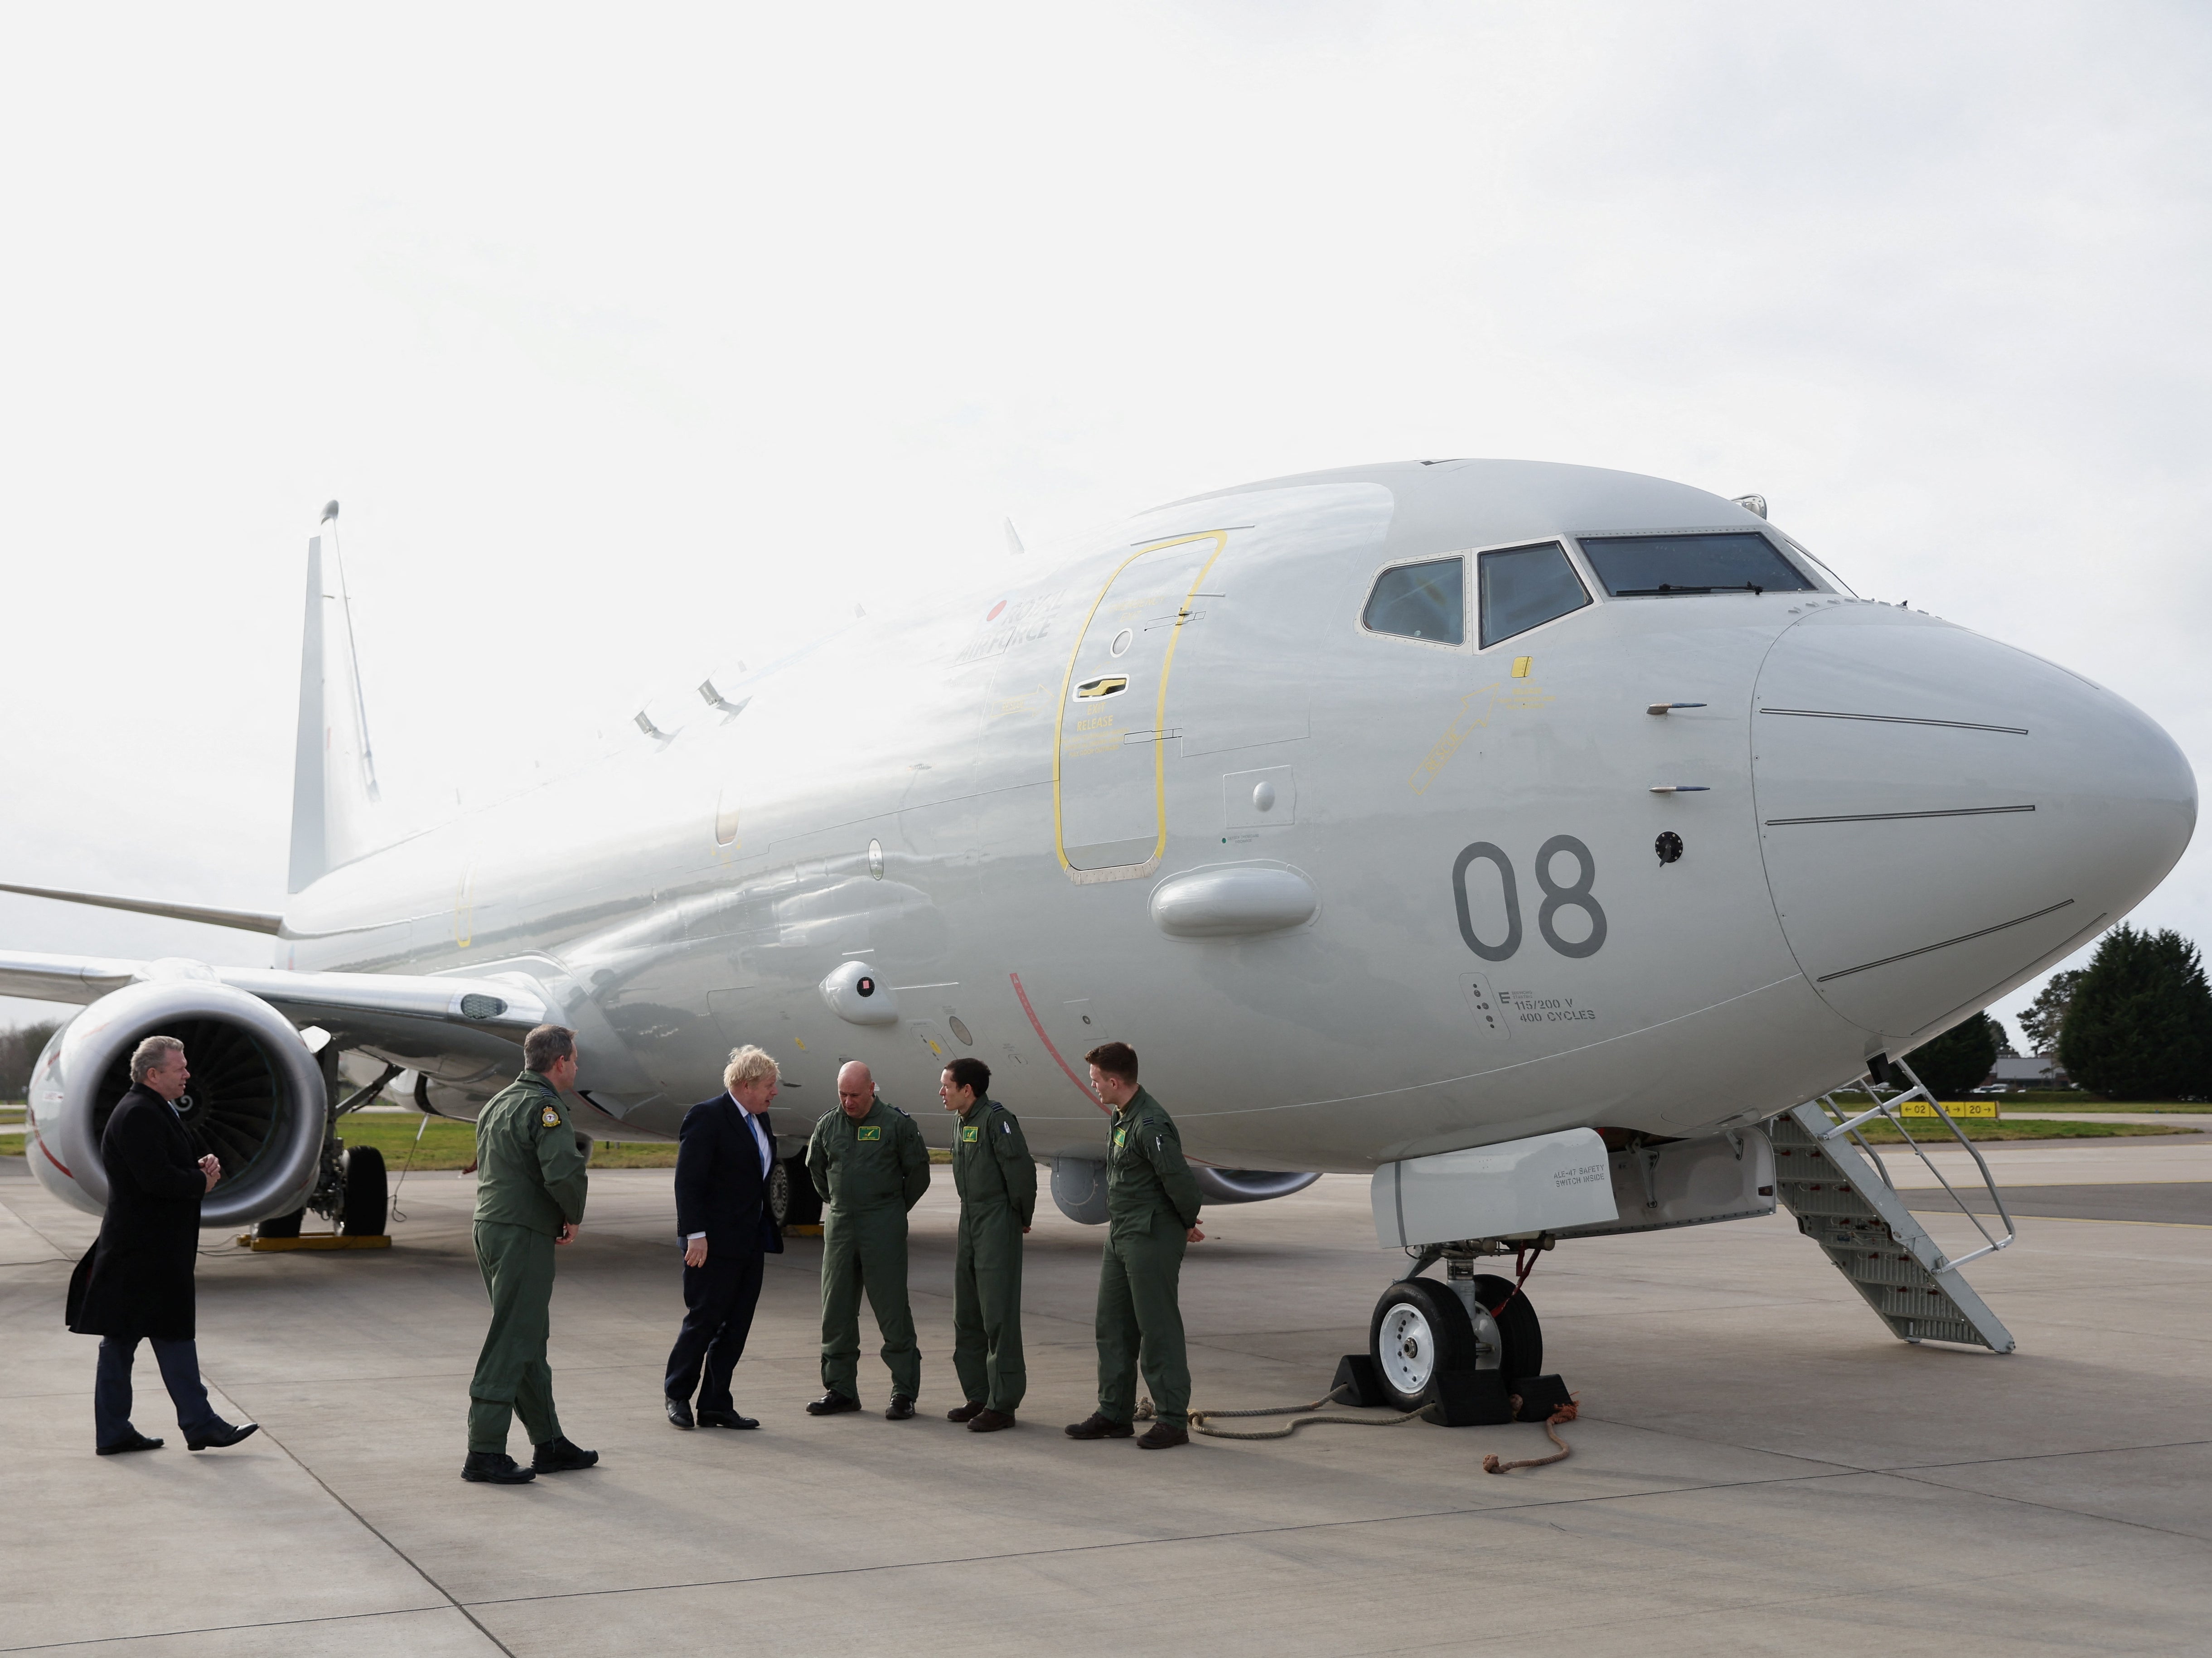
{"x":635,"y":340}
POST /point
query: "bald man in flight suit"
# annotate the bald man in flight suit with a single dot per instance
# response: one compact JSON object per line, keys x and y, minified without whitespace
{"x":867,"y":1161}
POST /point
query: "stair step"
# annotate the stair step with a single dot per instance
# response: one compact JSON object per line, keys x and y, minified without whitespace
{"x":1844,"y":1204}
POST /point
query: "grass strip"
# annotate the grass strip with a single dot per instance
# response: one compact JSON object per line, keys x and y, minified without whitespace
{"x":449,"y":1145}
{"x":1931,"y":1134}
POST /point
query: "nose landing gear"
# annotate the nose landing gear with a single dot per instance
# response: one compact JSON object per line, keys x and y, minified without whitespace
{"x":1423,"y":1329}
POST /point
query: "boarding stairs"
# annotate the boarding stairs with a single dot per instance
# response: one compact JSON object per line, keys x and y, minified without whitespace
{"x":1836,"y":1184}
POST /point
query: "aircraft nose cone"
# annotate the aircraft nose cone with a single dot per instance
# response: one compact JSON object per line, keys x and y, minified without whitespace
{"x":1942,"y":817}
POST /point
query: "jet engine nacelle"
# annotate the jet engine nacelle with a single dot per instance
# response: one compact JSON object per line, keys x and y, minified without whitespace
{"x":256,"y":1098}
{"x":1078,"y":1187}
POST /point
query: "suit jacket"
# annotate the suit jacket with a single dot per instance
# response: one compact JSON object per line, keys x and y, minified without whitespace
{"x":137,"y":1278}
{"x":719,"y":1188}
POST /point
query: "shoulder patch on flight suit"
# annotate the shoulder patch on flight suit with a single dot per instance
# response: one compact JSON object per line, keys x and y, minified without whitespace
{"x":968,"y":1133}
{"x":549,"y":1118}
{"x":872,"y":1132}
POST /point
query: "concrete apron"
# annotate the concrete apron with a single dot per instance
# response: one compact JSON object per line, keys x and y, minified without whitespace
{"x":1759,"y":1465}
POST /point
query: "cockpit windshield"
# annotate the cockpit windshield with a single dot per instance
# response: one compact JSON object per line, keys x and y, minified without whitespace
{"x":1667,"y":567}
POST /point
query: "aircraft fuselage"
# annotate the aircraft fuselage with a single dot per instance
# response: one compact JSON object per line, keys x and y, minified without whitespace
{"x":1092,"y":804}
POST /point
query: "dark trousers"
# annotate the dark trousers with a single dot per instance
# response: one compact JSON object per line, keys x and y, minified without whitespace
{"x":719,"y":1299}
{"x":110,"y":1388}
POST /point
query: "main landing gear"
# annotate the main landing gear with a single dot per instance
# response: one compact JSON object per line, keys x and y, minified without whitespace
{"x":1423,"y":1329}
{"x":792,"y":1199}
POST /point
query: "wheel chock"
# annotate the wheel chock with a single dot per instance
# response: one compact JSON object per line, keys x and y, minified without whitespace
{"x":1470,"y":1399}
{"x":1540,"y":1395}
{"x":1358,"y":1382}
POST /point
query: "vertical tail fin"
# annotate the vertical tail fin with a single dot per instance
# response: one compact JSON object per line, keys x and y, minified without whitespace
{"x":334,"y":792}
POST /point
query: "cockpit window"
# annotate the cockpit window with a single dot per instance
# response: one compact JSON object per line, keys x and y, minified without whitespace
{"x":1420,"y":601}
{"x":1664,"y":566}
{"x":1524,"y":587}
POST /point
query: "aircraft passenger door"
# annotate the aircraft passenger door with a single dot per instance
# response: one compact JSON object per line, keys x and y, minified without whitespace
{"x":1117,"y":715}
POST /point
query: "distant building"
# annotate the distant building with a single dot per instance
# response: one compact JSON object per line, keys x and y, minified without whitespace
{"x":2029,"y":1071}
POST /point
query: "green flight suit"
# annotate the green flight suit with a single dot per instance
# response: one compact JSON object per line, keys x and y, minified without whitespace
{"x":869,"y":1173}
{"x":529,"y":1180}
{"x":1152,"y":1203}
{"x":996,"y":1179}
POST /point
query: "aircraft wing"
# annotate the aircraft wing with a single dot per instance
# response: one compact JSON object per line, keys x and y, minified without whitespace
{"x":63,"y":978}
{"x":415,"y":1014}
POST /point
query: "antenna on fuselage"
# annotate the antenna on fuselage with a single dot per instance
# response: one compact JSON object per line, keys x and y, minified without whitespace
{"x":1014,"y":540}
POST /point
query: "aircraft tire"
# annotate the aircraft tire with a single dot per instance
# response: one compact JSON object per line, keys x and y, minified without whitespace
{"x":793,"y":1201}
{"x":1518,"y":1330}
{"x":368,"y":1197}
{"x":1419,"y":1332}
{"x":280,"y":1226}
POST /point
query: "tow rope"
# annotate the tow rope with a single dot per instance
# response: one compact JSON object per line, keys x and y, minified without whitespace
{"x":1566,"y":1412}
{"x":1201,"y":1422}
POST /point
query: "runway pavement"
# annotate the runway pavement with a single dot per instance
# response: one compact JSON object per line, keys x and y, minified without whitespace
{"x":1760,"y":1467}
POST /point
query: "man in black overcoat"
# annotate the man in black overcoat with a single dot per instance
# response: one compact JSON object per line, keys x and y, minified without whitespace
{"x":722,"y":1167}
{"x":136,"y":1281}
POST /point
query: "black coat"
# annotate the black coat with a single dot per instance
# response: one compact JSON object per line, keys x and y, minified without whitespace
{"x":137,"y":1278}
{"x":719,"y":1188}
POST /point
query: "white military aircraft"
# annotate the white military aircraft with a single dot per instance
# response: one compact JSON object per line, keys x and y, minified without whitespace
{"x":1526,"y":834}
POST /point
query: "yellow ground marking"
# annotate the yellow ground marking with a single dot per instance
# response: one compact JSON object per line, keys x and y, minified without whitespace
{"x":1984,"y":1109}
{"x":312,"y":1241}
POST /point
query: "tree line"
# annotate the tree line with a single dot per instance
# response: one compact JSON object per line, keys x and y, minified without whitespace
{"x":2133,"y":1024}
{"x":19,"y":1051}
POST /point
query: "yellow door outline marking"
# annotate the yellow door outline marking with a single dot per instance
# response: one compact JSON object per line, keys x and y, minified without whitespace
{"x":1220,"y":540}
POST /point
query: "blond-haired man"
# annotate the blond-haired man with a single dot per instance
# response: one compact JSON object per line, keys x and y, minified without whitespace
{"x":722,"y":1166}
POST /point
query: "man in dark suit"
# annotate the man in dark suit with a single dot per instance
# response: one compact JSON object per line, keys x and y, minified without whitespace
{"x":136,"y":1281}
{"x":722,"y":1166}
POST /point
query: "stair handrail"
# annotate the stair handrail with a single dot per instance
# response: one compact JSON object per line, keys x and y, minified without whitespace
{"x":1892,"y":1109}
{"x":1835,"y":1113}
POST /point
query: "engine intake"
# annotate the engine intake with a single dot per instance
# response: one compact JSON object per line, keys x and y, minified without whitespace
{"x":256,"y":1098}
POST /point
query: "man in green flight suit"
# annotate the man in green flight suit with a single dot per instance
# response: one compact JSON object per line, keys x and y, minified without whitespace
{"x":867,"y":1161}
{"x":530,"y":1197}
{"x":1152,"y":1214}
{"x":997,"y":1182}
